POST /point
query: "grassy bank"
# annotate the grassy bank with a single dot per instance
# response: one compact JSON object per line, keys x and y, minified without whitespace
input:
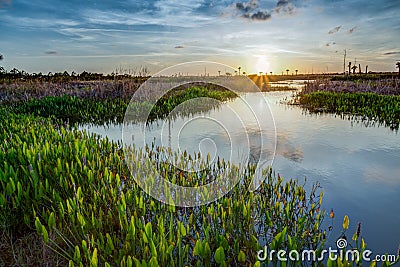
{"x":369,"y":106}
{"x":74,"y":109}
{"x":367,"y":98}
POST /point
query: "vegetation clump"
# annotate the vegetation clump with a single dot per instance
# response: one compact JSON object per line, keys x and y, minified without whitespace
{"x":74,"y":109}
{"x":373,"y":101}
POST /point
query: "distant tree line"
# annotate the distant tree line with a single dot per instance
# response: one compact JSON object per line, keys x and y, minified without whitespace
{"x":65,"y":76}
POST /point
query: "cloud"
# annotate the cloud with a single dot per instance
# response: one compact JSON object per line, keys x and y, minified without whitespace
{"x":250,"y":10}
{"x":247,"y":6}
{"x":351,"y":30}
{"x":334,"y":30}
{"x":282,"y":3}
{"x":284,"y":6}
{"x":179,"y":46}
{"x":51,"y":52}
{"x":4,"y":3}
{"x":259,"y":15}
{"x":392,"y":53}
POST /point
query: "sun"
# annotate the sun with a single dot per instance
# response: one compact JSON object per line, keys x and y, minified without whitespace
{"x":262,"y":64}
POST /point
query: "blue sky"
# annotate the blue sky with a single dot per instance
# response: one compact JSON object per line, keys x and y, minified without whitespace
{"x":273,"y":35}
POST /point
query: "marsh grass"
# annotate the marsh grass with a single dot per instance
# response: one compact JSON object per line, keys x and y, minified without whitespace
{"x":368,"y":101}
{"x":81,"y":110}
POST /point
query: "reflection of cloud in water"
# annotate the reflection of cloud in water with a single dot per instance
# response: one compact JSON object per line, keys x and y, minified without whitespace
{"x":381,"y":175}
{"x":286,"y":149}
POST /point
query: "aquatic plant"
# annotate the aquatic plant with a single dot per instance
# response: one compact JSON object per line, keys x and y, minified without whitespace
{"x":378,"y":86}
{"x":368,"y":106}
{"x":351,"y":250}
{"x":72,"y":192}
{"x":74,"y":109}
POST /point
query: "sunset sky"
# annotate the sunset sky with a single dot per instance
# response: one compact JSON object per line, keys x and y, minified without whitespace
{"x":273,"y":35}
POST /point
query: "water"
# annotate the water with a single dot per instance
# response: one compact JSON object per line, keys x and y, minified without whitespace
{"x":357,"y":166}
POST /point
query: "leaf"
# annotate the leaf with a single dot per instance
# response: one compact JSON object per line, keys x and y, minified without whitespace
{"x":207,"y":251}
{"x":330,"y":262}
{"x":45,"y":234}
{"x":153,"y":249}
{"x":51,"y":221}
{"x":148,"y":230}
{"x":198,"y":248}
{"x":110,"y":244}
{"x":94,"y":262}
{"x":38,"y":225}
{"x":346,"y":222}
{"x":241,"y":256}
{"x":219,"y":255}
{"x":182,"y":229}
{"x":363,"y":244}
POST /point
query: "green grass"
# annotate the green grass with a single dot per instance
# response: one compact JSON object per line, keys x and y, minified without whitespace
{"x":370,"y":106}
{"x":73,"y":109}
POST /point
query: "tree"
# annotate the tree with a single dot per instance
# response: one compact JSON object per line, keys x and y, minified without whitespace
{"x":219,"y":73}
{"x":366,"y":69}
{"x":287,"y":71}
{"x":1,"y":57}
{"x":260,"y":73}
{"x":239,"y":69}
{"x":354,"y":69}
{"x":349,"y":68}
{"x":270,"y":72}
{"x":398,"y":66}
{"x":296,"y":72}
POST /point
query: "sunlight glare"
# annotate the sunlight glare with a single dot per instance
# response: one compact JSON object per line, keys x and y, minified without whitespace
{"x":262,"y":64}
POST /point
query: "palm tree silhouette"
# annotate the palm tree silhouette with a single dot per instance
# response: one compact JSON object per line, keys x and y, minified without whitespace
{"x":239,"y":69}
{"x":354,"y":69}
{"x":296,"y":72}
{"x":270,"y":72}
{"x":287,"y":71}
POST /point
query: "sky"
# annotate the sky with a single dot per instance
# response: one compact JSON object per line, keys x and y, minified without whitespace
{"x":267,"y":36}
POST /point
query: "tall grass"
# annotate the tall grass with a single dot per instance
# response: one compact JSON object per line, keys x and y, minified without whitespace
{"x":75,"y":109}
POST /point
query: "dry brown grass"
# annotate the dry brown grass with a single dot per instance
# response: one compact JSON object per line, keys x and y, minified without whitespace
{"x":27,"y":250}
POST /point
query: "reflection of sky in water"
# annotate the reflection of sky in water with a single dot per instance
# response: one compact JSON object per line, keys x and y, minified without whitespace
{"x":358,"y":166}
